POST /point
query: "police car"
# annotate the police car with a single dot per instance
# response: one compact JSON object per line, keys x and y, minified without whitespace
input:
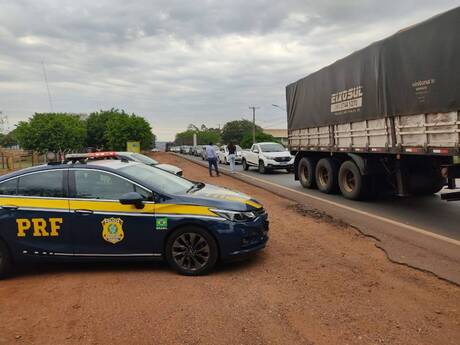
{"x":115,"y":209}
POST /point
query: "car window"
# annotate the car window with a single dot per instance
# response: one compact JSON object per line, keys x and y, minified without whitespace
{"x":272,"y":148}
{"x":43,"y":184}
{"x":146,"y":195}
{"x":95,"y":184}
{"x":9,"y":187}
{"x":158,"y":180}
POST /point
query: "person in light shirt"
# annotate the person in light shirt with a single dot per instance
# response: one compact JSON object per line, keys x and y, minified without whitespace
{"x":211,"y":155}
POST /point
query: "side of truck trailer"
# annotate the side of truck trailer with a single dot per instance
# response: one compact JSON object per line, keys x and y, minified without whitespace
{"x":383,"y":119}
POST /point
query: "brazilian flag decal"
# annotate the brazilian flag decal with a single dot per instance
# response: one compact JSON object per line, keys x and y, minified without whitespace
{"x":161,"y":223}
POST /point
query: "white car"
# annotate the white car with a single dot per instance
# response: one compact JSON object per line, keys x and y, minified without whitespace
{"x":268,"y":156}
{"x":222,"y":155}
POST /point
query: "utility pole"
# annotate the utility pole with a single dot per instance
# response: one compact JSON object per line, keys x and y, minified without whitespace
{"x":254,"y":123}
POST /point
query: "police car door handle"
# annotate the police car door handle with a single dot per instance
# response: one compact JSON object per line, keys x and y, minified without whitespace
{"x":84,"y":212}
{"x":10,"y":207}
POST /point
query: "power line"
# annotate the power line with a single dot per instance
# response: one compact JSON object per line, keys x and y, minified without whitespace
{"x":47,"y":87}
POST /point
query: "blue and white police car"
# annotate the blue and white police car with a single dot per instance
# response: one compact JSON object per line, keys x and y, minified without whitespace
{"x":115,"y":209}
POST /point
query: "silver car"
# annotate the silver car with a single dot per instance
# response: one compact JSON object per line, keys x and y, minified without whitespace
{"x":137,"y":157}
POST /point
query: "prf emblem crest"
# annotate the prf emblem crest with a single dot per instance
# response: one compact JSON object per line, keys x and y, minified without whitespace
{"x":112,"y":230}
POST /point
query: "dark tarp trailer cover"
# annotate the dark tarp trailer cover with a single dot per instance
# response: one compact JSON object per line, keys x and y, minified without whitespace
{"x":415,"y":71}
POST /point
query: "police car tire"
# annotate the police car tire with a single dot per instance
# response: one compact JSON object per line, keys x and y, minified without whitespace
{"x":5,"y":260}
{"x":213,"y":251}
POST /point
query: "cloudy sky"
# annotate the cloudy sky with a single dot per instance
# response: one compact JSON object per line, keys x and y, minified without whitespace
{"x":181,"y":62}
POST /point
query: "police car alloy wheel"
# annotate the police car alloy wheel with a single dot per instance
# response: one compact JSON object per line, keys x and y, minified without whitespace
{"x":5,"y":260}
{"x":191,"y":251}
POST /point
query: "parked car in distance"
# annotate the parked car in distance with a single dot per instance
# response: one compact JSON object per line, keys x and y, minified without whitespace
{"x":198,"y":150}
{"x":268,"y":156}
{"x":223,"y":154}
{"x":184,"y":149}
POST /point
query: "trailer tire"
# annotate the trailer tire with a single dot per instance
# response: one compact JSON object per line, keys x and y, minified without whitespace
{"x":306,"y":172}
{"x":351,"y":183}
{"x":326,"y":175}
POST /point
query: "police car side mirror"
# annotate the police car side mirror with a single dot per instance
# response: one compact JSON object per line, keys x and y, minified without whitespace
{"x":132,"y":198}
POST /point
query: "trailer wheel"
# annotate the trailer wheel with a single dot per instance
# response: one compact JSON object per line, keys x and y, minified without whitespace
{"x":326,"y":175}
{"x":306,"y":172}
{"x":351,"y":182}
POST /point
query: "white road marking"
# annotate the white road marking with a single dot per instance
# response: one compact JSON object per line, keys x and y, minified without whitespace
{"x":348,"y":208}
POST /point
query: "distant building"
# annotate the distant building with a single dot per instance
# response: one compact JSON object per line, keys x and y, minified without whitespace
{"x":280,"y":134}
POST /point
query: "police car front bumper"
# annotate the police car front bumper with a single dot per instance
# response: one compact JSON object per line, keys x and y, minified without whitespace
{"x":248,"y":237}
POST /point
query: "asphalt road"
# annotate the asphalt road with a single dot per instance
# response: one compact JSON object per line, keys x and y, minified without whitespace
{"x":428,"y":213}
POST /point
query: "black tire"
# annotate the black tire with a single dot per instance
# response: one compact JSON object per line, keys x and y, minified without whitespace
{"x":262,"y":168}
{"x":352,"y":184}
{"x":5,"y":260}
{"x":200,"y":251}
{"x":326,"y":176}
{"x":306,"y":172}
{"x":245,"y":165}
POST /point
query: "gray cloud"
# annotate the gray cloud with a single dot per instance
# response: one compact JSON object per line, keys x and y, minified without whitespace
{"x":178,"y":62}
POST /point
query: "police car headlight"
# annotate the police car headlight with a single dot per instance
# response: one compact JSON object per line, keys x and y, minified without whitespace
{"x":235,"y":216}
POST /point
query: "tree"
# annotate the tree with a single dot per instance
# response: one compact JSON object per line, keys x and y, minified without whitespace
{"x":52,"y":132}
{"x":96,"y":124}
{"x":207,"y":136}
{"x":236,"y":130}
{"x":204,"y":135}
{"x":122,"y":128}
{"x":8,"y":140}
{"x":246,"y":143}
{"x":111,"y":129}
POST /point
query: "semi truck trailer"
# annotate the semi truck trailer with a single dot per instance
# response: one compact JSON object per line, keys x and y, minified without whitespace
{"x":383,"y":119}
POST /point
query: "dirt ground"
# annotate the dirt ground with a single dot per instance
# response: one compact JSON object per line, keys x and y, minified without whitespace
{"x":317,"y":282}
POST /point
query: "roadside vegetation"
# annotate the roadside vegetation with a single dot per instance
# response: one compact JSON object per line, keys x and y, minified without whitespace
{"x":59,"y":132}
{"x":238,"y":131}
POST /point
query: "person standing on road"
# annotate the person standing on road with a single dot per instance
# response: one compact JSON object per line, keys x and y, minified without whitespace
{"x":231,"y":156}
{"x":211,"y":156}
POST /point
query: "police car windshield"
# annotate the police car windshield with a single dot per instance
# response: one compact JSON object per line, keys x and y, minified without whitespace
{"x":160,"y":181}
{"x":144,"y":159}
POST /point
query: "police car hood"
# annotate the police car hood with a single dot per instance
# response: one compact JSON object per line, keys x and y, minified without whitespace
{"x":219,"y":197}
